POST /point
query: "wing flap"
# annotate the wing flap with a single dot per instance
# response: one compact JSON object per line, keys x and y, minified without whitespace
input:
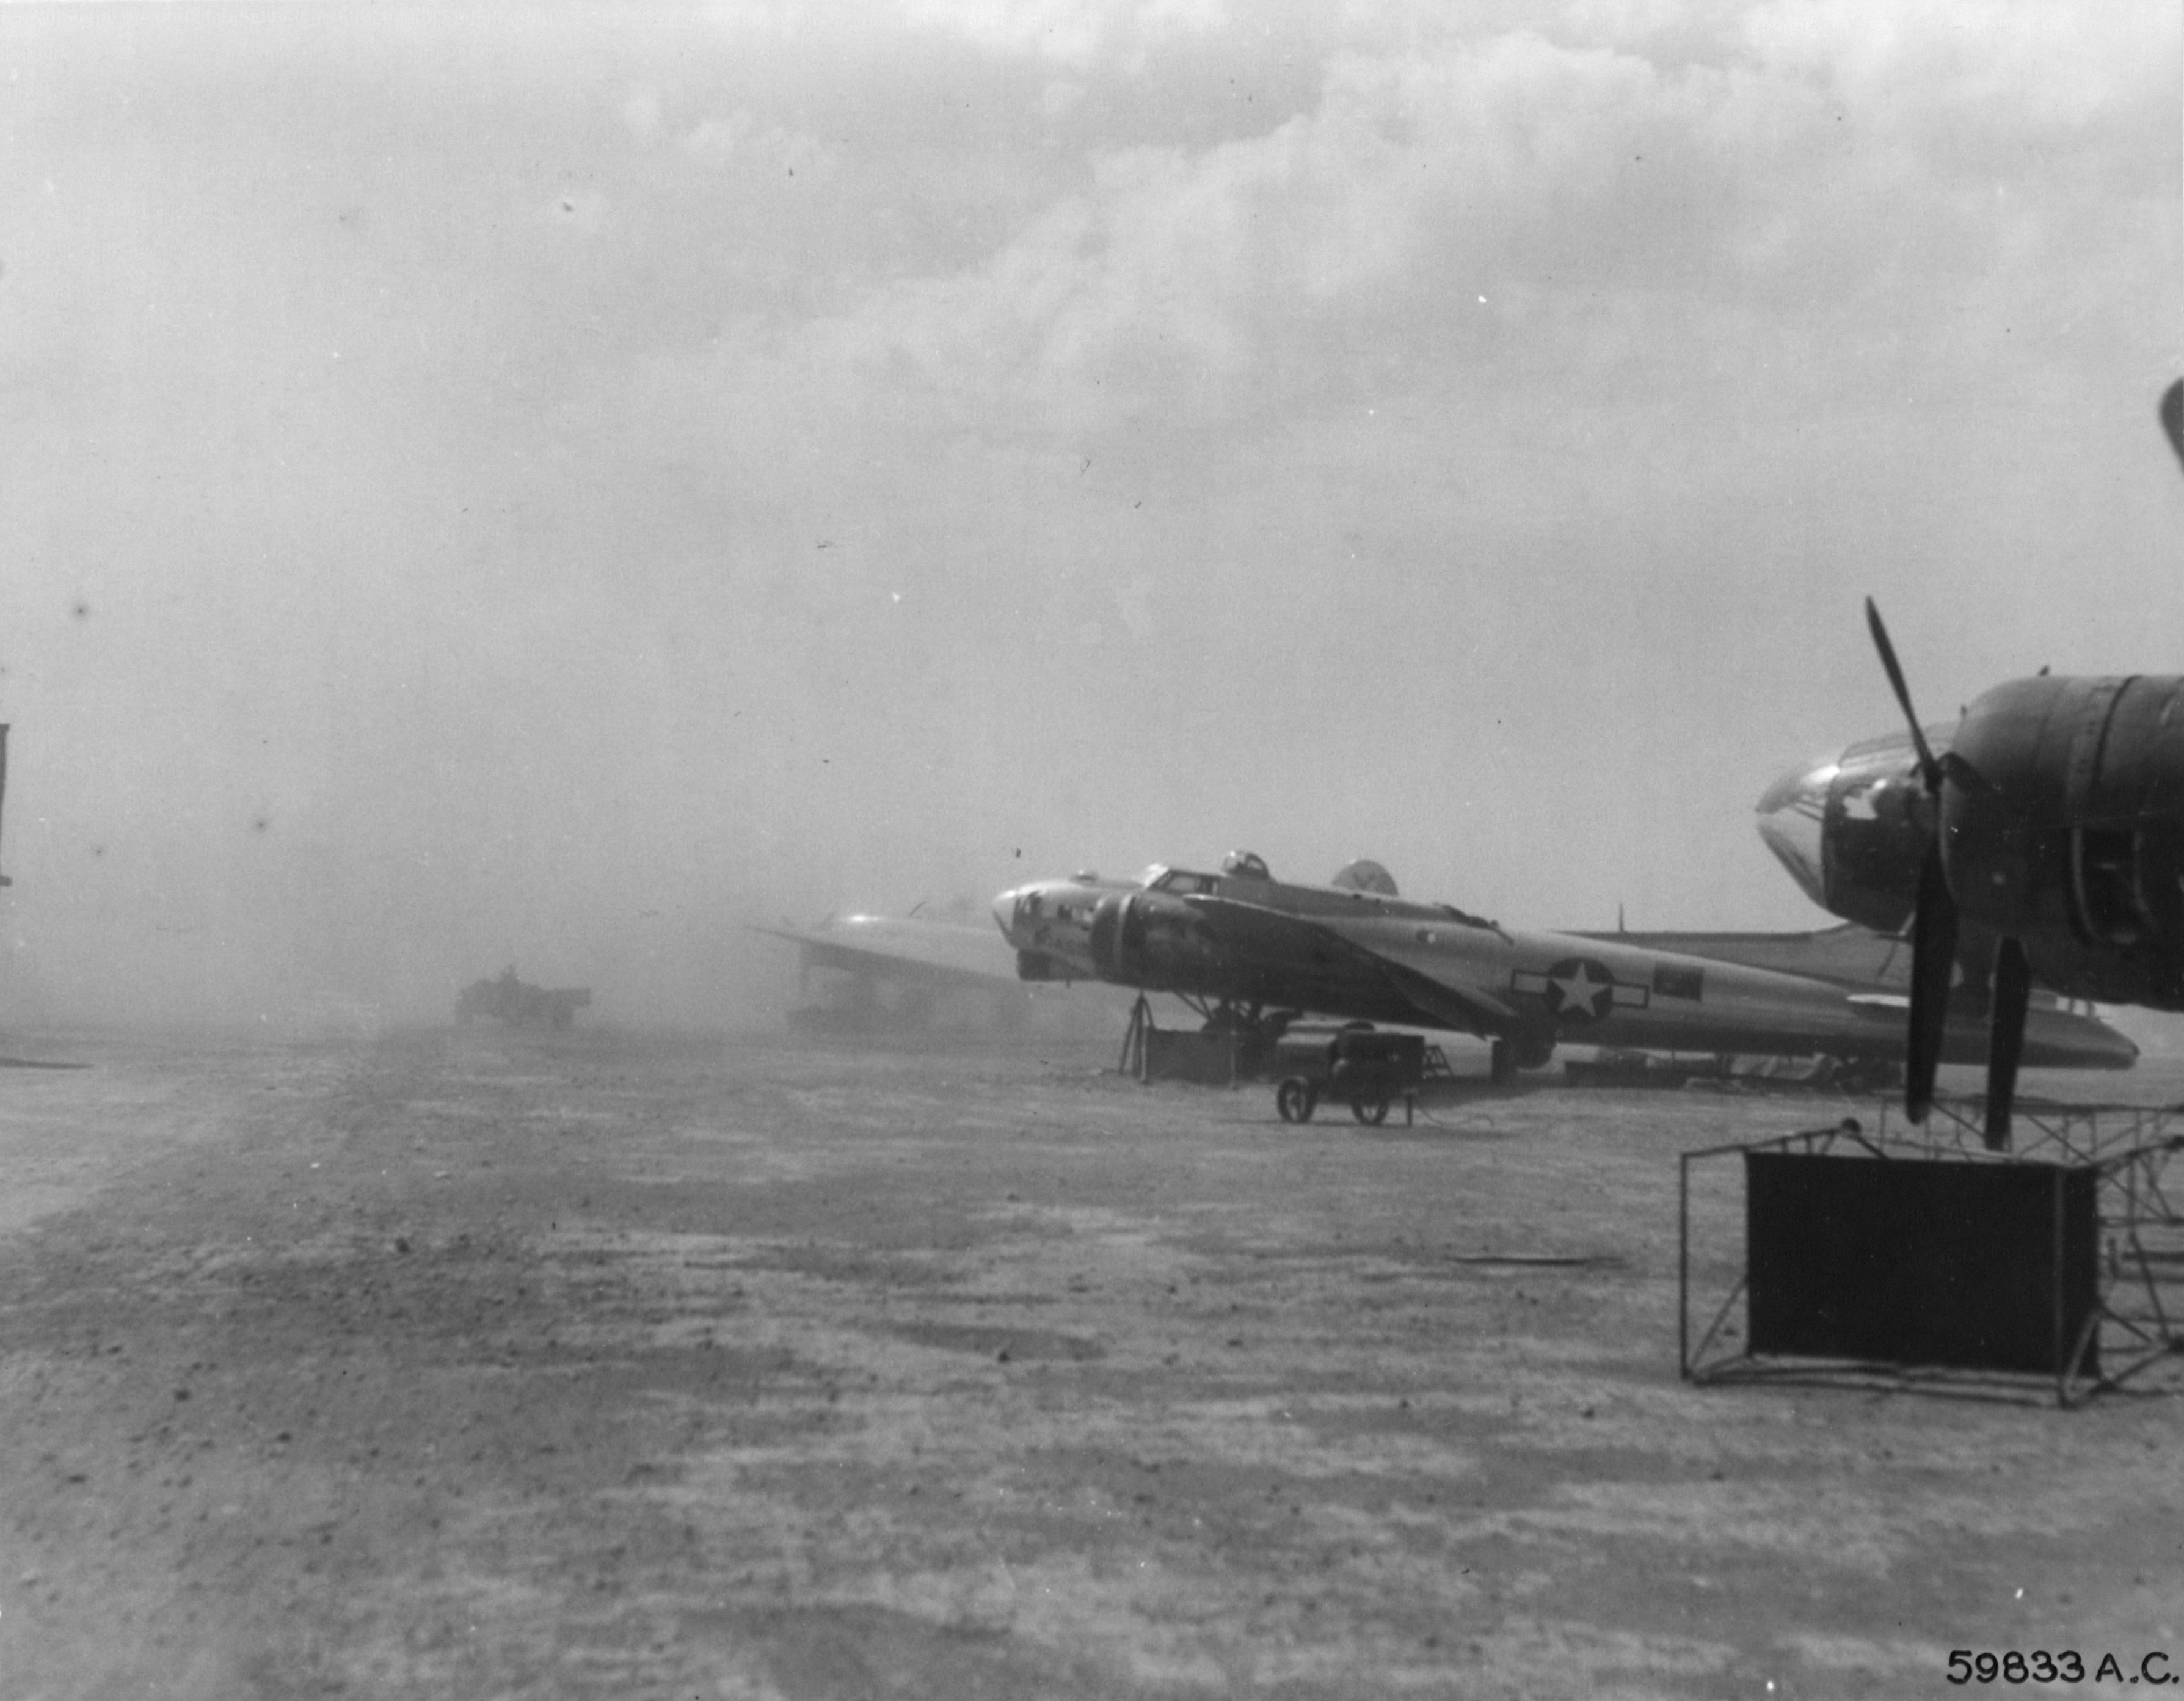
{"x":1464,"y":1007}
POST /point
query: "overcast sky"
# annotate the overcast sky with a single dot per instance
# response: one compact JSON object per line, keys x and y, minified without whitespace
{"x":485,"y":484}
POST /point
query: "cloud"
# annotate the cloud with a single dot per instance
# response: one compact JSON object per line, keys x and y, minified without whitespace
{"x":642,"y":111}
{"x":1825,"y":163}
{"x":737,"y":140}
{"x":2055,"y":66}
{"x":1455,"y":375}
{"x":716,"y":140}
{"x":1073,"y":33}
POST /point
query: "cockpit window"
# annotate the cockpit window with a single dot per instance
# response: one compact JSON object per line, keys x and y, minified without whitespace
{"x":1182,"y":880}
{"x":1246,"y":864}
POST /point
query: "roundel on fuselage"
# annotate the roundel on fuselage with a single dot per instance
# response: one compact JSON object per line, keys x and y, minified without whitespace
{"x":1365,"y":876}
{"x":1580,"y":989}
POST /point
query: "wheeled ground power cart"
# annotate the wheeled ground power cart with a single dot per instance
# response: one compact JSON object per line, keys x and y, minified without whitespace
{"x":1368,"y":1068}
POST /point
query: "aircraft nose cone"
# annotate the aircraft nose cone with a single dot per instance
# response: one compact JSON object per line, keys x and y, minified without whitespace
{"x":1791,"y":813}
{"x":1804,"y":787}
{"x":1004,"y":913}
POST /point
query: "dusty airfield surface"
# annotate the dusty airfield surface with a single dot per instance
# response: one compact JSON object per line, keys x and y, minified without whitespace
{"x":473,"y":1366}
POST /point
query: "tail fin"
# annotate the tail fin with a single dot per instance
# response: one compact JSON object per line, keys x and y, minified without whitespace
{"x":1364,"y":876}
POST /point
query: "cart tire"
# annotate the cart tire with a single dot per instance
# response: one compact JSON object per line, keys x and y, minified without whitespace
{"x":1370,"y":1112}
{"x":1295,"y":1100}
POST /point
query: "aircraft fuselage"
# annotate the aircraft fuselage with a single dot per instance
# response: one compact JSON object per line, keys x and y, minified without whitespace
{"x":1354,"y":954}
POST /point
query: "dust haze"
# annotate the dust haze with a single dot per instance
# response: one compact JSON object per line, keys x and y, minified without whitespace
{"x":552,"y":488}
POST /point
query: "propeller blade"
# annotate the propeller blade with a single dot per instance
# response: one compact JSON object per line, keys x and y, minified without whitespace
{"x":1933,"y":961}
{"x":2013,"y":993}
{"x":1955,"y":768}
{"x":1929,"y":769}
{"x":2172,"y":416}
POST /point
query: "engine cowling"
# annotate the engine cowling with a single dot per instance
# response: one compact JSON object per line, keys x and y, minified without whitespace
{"x":2060,"y":823}
{"x":2067,"y":830}
{"x":1147,"y":939}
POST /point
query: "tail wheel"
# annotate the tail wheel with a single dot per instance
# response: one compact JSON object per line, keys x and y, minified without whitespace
{"x":1295,"y":1100}
{"x":1370,"y":1112}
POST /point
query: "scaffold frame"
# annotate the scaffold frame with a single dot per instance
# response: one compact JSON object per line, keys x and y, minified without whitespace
{"x":2137,"y":1318}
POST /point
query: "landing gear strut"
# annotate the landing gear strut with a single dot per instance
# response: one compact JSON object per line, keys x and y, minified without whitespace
{"x":1257,"y":1031}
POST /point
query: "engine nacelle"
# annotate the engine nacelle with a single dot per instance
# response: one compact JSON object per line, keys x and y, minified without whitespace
{"x":2060,"y":824}
{"x":2067,"y":831}
{"x":1149,"y":940}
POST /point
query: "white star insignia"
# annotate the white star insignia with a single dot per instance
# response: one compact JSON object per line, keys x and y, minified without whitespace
{"x":1580,"y":990}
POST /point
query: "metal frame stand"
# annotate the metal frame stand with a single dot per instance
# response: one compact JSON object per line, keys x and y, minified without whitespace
{"x":1133,"y":1060}
{"x":2138,"y":1313}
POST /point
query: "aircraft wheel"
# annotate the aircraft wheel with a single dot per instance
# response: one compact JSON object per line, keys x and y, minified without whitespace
{"x":1370,"y":1112}
{"x":1295,"y":1100}
{"x":1503,"y":1064}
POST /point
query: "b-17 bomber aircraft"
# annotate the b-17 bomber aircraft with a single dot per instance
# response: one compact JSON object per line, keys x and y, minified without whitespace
{"x":1251,"y":952}
{"x":2041,"y":837}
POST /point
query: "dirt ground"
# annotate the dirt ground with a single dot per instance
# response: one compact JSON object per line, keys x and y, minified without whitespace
{"x":606,"y":1364}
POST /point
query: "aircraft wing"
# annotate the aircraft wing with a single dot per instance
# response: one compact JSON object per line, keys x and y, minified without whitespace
{"x":937,"y":954}
{"x":1467,"y":1008}
{"x":1283,"y":959}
